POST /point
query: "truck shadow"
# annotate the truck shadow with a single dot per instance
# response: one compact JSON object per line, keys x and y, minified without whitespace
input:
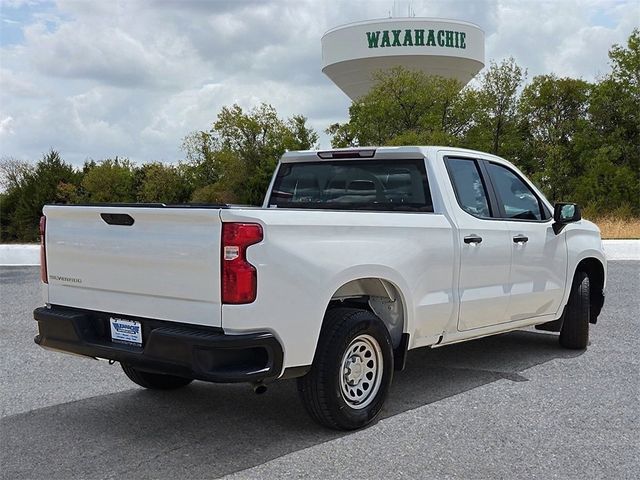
{"x":208,"y":430}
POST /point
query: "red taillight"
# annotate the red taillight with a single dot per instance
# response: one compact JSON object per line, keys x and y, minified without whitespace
{"x":43,"y":250}
{"x":239,"y":278}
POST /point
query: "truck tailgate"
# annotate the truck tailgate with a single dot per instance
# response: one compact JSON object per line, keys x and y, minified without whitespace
{"x":166,"y":265}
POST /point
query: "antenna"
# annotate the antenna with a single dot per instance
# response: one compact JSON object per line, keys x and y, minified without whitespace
{"x":411,"y":12}
{"x":398,"y":9}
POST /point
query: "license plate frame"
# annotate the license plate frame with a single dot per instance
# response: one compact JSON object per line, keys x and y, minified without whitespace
{"x":125,"y":331}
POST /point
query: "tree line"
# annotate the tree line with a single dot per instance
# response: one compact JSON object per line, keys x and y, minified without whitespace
{"x":579,"y":141}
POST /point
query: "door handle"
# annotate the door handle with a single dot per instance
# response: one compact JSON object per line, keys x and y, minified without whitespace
{"x":472,"y":239}
{"x":117,"y":219}
{"x":520,"y":239}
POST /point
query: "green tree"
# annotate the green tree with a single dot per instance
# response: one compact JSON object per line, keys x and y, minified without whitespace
{"x":299,"y":135}
{"x":200,"y":167}
{"x":606,"y":186}
{"x":234,"y":161}
{"x":406,"y":106}
{"x":625,"y":63}
{"x":342,"y":135}
{"x":610,"y":145}
{"x":553,"y":113}
{"x":22,"y":206}
{"x":162,"y":183}
{"x":109,"y":181}
{"x":495,"y":119}
{"x":13,"y":173}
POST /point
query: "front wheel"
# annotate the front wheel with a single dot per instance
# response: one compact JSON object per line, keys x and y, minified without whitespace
{"x":352,"y":370}
{"x":154,"y":381}
{"x":575,"y":327}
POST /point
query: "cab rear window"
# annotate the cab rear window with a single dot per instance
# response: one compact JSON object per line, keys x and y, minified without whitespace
{"x":377,"y":185}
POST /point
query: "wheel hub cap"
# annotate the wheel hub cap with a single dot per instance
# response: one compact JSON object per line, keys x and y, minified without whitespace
{"x":361,"y":372}
{"x":355,"y":370}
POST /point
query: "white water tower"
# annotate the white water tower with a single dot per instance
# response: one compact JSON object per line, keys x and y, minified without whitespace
{"x":353,"y":53}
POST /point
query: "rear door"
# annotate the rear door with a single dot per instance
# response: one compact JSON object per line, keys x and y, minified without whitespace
{"x":485,"y":248}
{"x":161,"y":263}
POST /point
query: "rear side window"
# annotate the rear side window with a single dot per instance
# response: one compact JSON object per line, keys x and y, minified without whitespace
{"x":515,"y":197}
{"x":379,"y":185}
{"x":467,"y":183}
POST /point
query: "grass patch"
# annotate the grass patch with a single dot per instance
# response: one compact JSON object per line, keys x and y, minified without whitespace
{"x":618,"y":228}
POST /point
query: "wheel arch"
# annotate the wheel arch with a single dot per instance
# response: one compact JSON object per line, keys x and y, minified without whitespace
{"x":383,"y":298}
{"x":595,"y":270}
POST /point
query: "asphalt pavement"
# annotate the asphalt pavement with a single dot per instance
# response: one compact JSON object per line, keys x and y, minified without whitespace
{"x":510,"y":406}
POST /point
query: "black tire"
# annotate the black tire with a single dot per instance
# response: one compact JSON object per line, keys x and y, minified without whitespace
{"x":575,"y":327}
{"x":347,"y":343}
{"x":154,"y":381}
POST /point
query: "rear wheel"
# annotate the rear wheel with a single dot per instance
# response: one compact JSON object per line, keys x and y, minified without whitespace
{"x":352,"y":370}
{"x":575,"y":327}
{"x":154,"y":381}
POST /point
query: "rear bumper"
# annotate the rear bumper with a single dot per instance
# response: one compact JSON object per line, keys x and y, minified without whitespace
{"x":203,"y":353}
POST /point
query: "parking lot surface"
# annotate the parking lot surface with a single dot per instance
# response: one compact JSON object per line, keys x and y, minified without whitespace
{"x":510,"y":406}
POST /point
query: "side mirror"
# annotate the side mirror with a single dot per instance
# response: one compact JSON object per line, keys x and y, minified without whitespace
{"x":564,"y":213}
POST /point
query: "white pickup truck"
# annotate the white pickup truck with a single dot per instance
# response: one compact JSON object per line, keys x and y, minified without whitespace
{"x":356,"y":257}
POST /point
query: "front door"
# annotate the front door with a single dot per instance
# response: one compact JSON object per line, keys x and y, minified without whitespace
{"x":539,"y":256}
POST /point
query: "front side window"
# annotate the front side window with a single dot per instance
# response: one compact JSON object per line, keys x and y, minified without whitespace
{"x":515,"y":196}
{"x":467,"y":183}
{"x":382,"y":185}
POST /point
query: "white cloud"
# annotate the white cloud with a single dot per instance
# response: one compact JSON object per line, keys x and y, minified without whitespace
{"x":131,"y":78}
{"x":17,"y":84}
{"x":6,"y":126}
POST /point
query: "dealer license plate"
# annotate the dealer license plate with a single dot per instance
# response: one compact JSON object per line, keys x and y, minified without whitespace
{"x":126,"y":331}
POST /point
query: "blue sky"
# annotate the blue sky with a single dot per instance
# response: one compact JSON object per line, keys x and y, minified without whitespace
{"x":16,"y":15}
{"x":95,"y":79}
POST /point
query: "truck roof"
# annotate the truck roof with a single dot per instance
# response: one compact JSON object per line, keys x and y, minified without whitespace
{"x":402,"y":152}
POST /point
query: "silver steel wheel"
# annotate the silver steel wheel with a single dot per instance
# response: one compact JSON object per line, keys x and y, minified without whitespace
{"x":361,"y":371}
